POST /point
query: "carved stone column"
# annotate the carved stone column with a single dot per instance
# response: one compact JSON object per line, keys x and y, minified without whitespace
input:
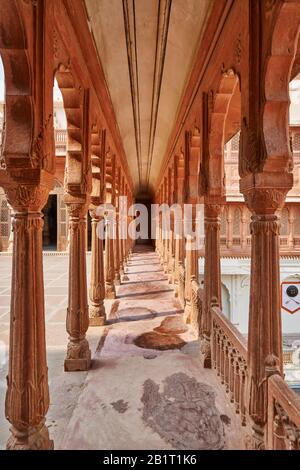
{"x":179,"y":260}
{"x":229,"y":228}
{"x":121,"y":254}
{"x":244,"y":228}
{"x":160,"y":235}
{"x":97,"y":287}
{"x":212,"y":275}
{"x":166,"y":250}
{"x":78,"y":353}
{"x":27,"y":397}
{"x":264,"y":332}
{"x":116,"y":241}
{"x":11,"y":234}
{"x":191,"y":270}
{"x":291,"y":227}
{"x":110,"y":290}
{"x":171,"y":254}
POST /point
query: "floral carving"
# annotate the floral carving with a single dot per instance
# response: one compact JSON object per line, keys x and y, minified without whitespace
{"x":249,"y":151}
{"x":27,"y":197}
{"x":285,"y":427}
{"x":262,"y":201}
{"x":269,"y":5}
{"x":238,"y":50}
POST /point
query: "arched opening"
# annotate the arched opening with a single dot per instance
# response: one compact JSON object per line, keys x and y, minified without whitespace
{"x":55,"y":230}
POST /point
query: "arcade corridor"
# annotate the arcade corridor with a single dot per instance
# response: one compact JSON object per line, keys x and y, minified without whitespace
{"x":98,"y":410}
{"x":107,"y":103}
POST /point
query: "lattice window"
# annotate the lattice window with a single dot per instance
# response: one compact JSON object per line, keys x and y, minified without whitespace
{"x":63,"y":219}
{"x":284,"y":222}
{"x":236,"y":226}
{"x":4,"y":219}
{"x":296,"y":141}
{"x":235,"y":142}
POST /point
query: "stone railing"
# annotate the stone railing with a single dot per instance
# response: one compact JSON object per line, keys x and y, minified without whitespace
{"x":287,"y":357}
{"x":229,"y":359}
{"x":283,"y":427}
{"x":60,"y":136}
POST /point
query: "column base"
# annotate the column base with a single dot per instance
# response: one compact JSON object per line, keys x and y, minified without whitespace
{"x":176,"y":289}
{"x":117,"y":282}
{"x":34,"y":438}
{"x":187,"y":313}
{"x":97,"y":321}
{"x":205,"y":349}
{"x":97,"y":315}
{"x":78,"y":356}
{"x":257,"y":438}
{"x":110,"y":292}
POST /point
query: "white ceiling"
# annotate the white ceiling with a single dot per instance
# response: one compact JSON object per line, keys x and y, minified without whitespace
{"x":146,"y":48}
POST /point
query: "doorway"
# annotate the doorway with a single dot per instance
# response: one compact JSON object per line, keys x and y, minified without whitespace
{"x":50,"y":224}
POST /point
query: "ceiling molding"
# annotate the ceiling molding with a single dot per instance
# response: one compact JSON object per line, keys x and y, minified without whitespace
{"x":216,"y":21}
{"x":163,"y":22}
{"x":131,"y":44}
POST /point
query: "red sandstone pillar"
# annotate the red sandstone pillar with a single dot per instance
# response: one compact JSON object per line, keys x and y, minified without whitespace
{"x":116,"y":241}
{"x":110,"y":290}
{"x":78,"y":353}
{"x":212,"y":275}
{"x":27,"y":397}
{"x":191,"y":268}
{"x":97,"y":288}
{"x":264,"y":333}
{"x":121,"y":250}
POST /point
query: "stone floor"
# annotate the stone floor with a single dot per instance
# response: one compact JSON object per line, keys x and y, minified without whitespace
{"x":146,"y":388}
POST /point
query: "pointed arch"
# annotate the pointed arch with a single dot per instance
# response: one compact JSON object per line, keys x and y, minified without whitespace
{"x":278,"y":74}
{"x":19,"y":124}
{"x":229,"y":85}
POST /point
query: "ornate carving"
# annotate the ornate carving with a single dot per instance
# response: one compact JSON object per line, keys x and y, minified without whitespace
{"x":78,"y":349}
{"x":213,"y":211}
{"x":286,"y":429}
{"x":269,"y":5}
{"x":24,"y":197}
{"x":238,"y":50}
{"x":39,"y":159}
{"x":76,"y":210}
{"x":265,"y":200}
{"x":250,"y":156}
{"x":36,"y":438}
{"x":264,"y":225}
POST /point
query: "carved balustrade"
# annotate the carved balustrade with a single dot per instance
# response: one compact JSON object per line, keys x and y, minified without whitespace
{"x":283,"y":425}
{"x":229,"y":359}
{"x":197,"y":297}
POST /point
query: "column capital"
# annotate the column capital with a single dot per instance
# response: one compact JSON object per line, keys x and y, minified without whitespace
{"x":25,"y":197}
{"x":265,"y":193}
{"x":78,"y":209}
{"x":213,"y":207}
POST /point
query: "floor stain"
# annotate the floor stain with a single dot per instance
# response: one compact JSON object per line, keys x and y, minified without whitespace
{"x":184,"y":413}
{"x":120,"y":406}
{"x":155,"y":340}
{"x":173,"y":325}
